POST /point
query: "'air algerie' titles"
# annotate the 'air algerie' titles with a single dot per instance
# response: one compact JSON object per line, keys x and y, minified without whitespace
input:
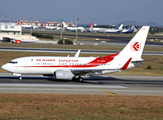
{"x":60,"y":60}
{"x":64,"y":60}
{"x":45,"y":59}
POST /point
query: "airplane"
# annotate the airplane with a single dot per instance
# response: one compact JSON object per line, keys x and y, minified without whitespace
{"x":49,"y":27}
{"x":107,"y":30}
{"x":128,"y":30}
{"x":73,"y":68}
{"x":92,"y":29}
{"x":18,"y":38}
{"x":27,"y":26}
{"x":82,"y":29}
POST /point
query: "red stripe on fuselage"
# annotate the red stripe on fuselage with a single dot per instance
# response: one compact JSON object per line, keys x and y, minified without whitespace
{"x":96,"y":62}
{"x":103,"y":60}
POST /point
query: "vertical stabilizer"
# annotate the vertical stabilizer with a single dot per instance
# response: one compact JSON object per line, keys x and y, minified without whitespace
{"x":91,"y":25}
{"x":44,"y":24}
{"x":132,"y":28}
{"x":135,"y":47}
{"x":64,"y":25}
{"x":120,"y":27}
{"x":19,"y":22}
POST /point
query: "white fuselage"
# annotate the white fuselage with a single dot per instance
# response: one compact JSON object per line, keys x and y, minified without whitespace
{"x":50,"y":27}
{"x":48,"y":65}
{"x":110,"y":30}
{"x":75,"y":28}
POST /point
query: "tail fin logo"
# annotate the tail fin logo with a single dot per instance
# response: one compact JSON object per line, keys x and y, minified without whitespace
{"x":91,"y":25}
{"x":135,"y":46}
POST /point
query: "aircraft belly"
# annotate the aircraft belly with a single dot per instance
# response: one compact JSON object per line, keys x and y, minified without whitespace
{"x":40,"y":70}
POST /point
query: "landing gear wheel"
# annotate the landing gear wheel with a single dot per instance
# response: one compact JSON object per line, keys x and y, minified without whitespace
{"x":20,"y":77}
{"x":74,"y":79}
{"x":80,"y":79}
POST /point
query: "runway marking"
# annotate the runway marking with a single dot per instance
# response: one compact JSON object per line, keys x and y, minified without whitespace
{"x":49,"y":89}
{"x":61,"y":85}
{"x":78,"y":90}
{"x":107,"y":92}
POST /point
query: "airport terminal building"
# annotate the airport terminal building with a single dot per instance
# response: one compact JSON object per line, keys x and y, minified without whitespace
{"x":10,"y":28}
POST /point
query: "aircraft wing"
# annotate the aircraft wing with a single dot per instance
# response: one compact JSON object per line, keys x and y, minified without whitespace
{"x":84,"y":71}
{"x":90,"y":71}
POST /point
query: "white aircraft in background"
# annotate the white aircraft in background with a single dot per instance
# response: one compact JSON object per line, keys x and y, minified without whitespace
{"x":71,"y":68}
{"x":116,"y":30}
{"x":92,"y":29}
{"x":128,"y":30}
{"x":27,"y":26}
{"x":49,"y":27}
{"x":82,"y":29}
{"x":18,"y":38}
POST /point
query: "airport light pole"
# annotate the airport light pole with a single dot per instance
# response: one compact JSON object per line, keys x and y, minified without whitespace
{"x":61,"y":30}
{"x":0,"y":24}
{"x":31,"y":27}
{"x":77,"y":31}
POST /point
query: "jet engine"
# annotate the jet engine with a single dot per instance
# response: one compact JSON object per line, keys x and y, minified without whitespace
{"x":63,"y":74}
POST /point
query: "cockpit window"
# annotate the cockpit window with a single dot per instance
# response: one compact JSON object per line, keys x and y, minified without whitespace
{"x":13,"y":62}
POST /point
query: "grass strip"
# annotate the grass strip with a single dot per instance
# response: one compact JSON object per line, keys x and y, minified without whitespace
{"x":80,"y":107}
{"x":82,"y":47}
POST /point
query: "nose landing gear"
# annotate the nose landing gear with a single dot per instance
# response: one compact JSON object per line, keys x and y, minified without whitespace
{"x":20,"y":77}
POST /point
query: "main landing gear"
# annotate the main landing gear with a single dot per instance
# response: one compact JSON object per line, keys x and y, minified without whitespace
{"x":78,"y":79}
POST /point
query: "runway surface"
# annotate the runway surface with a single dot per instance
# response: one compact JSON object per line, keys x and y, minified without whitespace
{"x":70,"y":51}
{"x":111,"y":85}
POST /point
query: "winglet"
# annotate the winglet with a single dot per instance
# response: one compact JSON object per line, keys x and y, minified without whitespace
{"x":77,"y":53}
{"x":126,"y":65}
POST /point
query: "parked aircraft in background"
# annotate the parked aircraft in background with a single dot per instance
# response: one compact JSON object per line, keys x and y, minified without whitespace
{"x":82,"y":29}
{"x":49,"y":27}
{"x":128,"y":30}
{"x":72,"y":68}
{"x":92,"y":29}
{"x":27,"y":26}
{"x":108,"y":30}
{"x":18,"y":38}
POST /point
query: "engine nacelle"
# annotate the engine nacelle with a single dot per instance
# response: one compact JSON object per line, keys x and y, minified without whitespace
{"x":18,"y":41}
{"x":63,"y":74}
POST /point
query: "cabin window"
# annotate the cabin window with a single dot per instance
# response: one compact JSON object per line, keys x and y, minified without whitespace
{"x":13,"y":62}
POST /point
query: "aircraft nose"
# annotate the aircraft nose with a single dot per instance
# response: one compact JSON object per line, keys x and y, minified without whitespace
{"x":4,"y":67}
